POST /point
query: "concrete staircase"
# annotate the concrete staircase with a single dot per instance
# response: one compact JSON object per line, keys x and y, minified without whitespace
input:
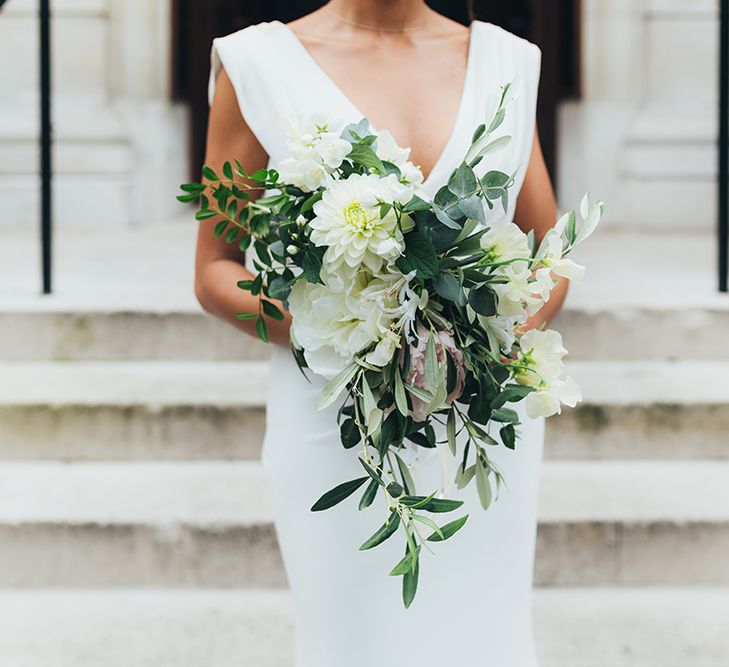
{"x":134,"y":523}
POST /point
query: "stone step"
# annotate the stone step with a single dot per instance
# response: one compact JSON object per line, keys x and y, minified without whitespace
{"x":208,"y":524}
{"x":579,"y":627}
{"x":66,"y":334}
{"x":178,"y":410}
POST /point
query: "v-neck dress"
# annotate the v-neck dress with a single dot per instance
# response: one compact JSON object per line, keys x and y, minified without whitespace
{"x":473,"y":606}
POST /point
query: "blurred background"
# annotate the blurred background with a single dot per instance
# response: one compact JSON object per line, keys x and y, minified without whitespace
{"x":134,"y":525}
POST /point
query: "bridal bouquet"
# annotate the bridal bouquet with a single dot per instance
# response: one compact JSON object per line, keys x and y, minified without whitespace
{"x":411,"y":309}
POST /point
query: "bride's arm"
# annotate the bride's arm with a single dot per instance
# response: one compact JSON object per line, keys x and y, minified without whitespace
{"x":536,"y":209}
{"x":219,"y":266}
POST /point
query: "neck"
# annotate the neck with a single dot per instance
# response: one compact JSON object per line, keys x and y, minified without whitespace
{"x":385,"y":14}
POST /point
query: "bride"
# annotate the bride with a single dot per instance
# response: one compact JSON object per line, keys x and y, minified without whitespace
{"x":425,"y":79}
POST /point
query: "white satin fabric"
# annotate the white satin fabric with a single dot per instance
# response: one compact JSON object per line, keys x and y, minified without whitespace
{"x":473,"y":607}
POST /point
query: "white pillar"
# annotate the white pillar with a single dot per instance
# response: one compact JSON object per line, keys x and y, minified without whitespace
{"x":644,"y":136}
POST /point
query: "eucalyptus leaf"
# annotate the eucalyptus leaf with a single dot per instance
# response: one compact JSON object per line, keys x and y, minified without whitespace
{"x":472,"y":208}
{"x":445,"y":219}
{"x":463,"y":182}
{"x":483,"y":300}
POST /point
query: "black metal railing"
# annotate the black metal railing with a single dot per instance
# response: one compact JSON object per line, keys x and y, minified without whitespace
{"x":46,"y":141}
{"x":46,"y":166}
{"x":723,"y":181}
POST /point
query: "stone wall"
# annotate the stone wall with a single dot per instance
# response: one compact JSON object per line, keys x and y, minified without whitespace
{"x":120,"y":144}
{"x":644,"y":135}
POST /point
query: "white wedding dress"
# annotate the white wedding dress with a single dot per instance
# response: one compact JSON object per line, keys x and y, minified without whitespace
{"x":473,"y":606}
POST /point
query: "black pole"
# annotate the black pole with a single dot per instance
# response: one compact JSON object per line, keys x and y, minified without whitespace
{"x":45,"y":143}
{"x":724,"y":150}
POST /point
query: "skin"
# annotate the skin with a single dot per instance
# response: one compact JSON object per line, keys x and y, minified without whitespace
{"x":428,"y":54}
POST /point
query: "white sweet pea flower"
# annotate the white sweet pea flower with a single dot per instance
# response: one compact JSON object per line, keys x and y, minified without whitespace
{"x":543,"y":369}
{"x":388,"y":151}
{"x":349,"y":223}
{"x":550,"y":255}
{"x":517,"y":295}
{"x":542,"y":352}
{"x":548,"y":401}
{"x":543,"y":284}
{"x":505,"y":242}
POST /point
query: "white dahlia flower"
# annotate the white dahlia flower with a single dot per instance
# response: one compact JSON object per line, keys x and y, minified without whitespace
{"x":349,"y":223}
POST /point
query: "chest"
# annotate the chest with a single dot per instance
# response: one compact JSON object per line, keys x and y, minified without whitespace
{"x":413,"y":91}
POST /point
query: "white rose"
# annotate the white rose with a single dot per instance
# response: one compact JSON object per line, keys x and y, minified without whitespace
{"x":349,"y":315}
{"x":308,"y":175}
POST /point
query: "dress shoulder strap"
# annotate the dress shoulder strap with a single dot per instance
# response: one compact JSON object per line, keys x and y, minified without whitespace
{"x":506,"y":58}
{"x":247,"y":58}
